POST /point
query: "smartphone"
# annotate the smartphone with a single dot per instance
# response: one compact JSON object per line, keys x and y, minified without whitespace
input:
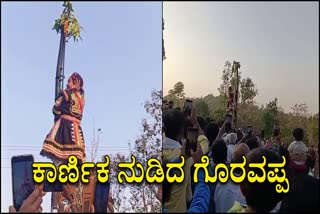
{"x":249,"y":131}
{"x":52,"y":187}
{"x":192,"y":139}
{"x":262,"y":134}
{"x":101,"y":197}
{"x":228,"y":118}
{"x":22,"y":179}
{"x":188,"y":107}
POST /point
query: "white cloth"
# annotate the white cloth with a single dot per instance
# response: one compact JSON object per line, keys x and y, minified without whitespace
{"x":276,"y":208}
{"x":298,"y":152}
{"x":226,"y":194}
{"x":170,"y":144}
{"x":230,"y":148}
{"x":230,"y":139}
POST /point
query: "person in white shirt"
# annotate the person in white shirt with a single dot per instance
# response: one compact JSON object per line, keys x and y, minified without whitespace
{"x":226,"y":194}
{"x":230,"y":140}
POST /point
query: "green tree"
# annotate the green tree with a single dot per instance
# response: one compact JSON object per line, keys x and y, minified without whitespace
{"x":300,"y":110}
{"x":249,"y":114}
{"x":176,"y":94}
{"x":269,"y":116}
{"x":226,"y":77}
{"x":267,"y":120}
{"x":201,"y":107}
{"x":218,"y":114}
{"x":273,"y":107}
{"x":313,"y":129}
{"x":179,"y":90}
{"x":69,"y":22}
{"x":148,"y":145}
{"x":248,"y":91}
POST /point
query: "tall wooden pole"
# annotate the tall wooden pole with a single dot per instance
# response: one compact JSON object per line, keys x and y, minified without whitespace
{"x":58,"y":88}
{"x":60,"y":64}
{"x":236,"y":66}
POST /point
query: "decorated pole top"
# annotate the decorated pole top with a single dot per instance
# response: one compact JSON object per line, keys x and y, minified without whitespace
{"x":68,"y":26}
{"x":69,"y":22}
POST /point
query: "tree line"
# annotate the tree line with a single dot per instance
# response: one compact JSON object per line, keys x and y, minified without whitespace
{"x":213,"y":108}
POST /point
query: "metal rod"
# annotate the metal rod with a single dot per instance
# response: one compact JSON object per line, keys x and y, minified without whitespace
{"x":60,"y":64}
{"x":58,"y":88}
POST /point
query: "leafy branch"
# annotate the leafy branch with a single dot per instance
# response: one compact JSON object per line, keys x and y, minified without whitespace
{"x":71,"y":26}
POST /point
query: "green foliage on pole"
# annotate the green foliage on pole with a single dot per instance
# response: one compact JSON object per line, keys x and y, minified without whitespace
{"x":68,"y":22}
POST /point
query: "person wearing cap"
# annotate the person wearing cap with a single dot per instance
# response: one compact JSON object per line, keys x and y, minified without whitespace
{"x":298,"y":151}
{"x":304,"y":189}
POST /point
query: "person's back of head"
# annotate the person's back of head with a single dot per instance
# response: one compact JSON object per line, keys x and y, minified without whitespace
{"x":297,"y":154}
{"x":212,"y":132}
{"x":231,"y":138}
{"x":252,"y":142}
{"x":261,"y":197}
{"x":303,"y":195}
{"x":173,"y":122}
{"x":298,"y":134}
{"x":219,"y":151}
{"x":239,"y":151}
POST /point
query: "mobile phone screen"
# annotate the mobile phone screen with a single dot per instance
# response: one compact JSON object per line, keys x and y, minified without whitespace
{"x":262,"y":134}
{"x":228,"y":118}
{"x":192,"y":134}
{"x":188,"y":107}
{"x":192,"y":138}
{"x":52,"y":187}
{"x":22,"y":179}
{"x":101,"y":197}
{"x":249,"y":131}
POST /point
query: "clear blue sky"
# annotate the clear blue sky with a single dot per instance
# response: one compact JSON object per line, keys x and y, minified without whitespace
{"x":277,"y":44}
{"x":119,"y":59}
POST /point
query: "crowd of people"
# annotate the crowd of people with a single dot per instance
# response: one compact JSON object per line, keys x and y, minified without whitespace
{"x":222,"y":144}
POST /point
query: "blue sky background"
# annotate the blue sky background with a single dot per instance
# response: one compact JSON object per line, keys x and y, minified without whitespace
{"x":119,"y":59}
{"x":277,"y":44}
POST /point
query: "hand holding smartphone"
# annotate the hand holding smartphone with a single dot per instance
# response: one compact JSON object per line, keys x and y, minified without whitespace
{"x":52,"y":187}
{"x":192,"y":139}
{"x":262,"y":134}
{"x":22,"y":179}
{"x":249,"y":131}
{"x":228,"y":118}
{"x":188,"y":107}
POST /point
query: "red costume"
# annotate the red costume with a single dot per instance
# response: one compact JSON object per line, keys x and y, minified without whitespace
{"x":66,"y":136}
{"x":230,"y":103}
